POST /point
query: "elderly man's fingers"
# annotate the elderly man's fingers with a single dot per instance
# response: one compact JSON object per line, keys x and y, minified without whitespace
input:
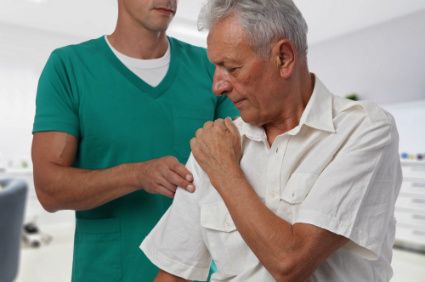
{"x":231,"y":126}
{"x":219,"y":124}
{"x":199,"y":132}
{"x":208,"y":124}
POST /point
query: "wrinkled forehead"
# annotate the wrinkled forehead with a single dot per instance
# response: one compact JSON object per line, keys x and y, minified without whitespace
{"x":227,"y":31}
{"x":228,"y":42}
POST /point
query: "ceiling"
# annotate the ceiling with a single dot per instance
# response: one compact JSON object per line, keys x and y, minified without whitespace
{"x":88,"y":18}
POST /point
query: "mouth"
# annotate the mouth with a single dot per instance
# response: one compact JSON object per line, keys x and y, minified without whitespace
{"x":238,"y":103}
{"x":165,"y":11}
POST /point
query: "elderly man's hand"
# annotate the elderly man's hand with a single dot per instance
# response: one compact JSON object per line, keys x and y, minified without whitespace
{"x":217,"y":149}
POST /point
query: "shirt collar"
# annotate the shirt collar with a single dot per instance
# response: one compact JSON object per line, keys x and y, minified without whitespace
{"x":250,"y":131}
{"x":318,"y":114}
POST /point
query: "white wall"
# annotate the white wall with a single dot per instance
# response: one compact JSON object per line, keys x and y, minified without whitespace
{"x":410,"y":118}
{"x":23,"y":53}
{"x":384,"y":63}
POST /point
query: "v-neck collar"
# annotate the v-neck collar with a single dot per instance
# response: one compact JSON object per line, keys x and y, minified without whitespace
{"x":137,"y":81}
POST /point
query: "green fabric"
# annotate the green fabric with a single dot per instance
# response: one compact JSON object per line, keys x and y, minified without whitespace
{"x":86,"y":91}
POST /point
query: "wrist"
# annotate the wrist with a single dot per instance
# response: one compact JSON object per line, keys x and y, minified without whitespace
{"x":131,"y":175}
{"x":230,"y":179}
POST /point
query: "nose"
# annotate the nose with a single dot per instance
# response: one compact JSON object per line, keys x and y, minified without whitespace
{"x":221,"y":84}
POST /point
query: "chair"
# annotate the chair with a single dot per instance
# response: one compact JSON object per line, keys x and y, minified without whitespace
{"x":12,"y":207}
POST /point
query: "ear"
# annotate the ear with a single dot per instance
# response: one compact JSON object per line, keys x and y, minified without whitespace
{"x":283,"y":56}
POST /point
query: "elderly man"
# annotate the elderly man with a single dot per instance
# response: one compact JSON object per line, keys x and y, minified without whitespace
{"x":302,"y":187}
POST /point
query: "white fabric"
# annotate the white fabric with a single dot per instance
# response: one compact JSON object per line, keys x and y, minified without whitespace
{"x":151,"y":71}
{"x":339,"y":169}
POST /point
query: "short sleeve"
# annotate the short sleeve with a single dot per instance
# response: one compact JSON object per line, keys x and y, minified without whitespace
{"x":175,"y":244}
{"x":355,"y":195}
{"x":56,"y":104}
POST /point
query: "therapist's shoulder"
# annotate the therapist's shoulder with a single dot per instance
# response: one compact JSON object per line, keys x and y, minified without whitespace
{"x":68,"y":55}
{"x":188,"y":50}
{"x":192,"y":56}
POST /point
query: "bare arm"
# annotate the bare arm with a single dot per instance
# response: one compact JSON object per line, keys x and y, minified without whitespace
{"x":289,"y":252}
{"x":167,"y":277}
{"x":61,"y":186}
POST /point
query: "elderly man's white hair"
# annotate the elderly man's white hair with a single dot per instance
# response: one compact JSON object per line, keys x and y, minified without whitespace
{"x":262,"y":20}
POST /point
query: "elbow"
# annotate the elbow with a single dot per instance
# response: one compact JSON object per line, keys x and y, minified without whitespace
{"x":289,"y":270}
{"x":284,"y":270}
{"x":49,"y":208}
{"x":48,"y":204}
{"x":46,"y":199}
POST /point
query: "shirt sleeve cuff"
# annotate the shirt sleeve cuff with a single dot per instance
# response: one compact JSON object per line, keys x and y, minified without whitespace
{"x":358,"y":243}
{"x":162,"y":261}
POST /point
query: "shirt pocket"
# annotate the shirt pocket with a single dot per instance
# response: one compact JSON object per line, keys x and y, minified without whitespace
{"x":298,"y":187}
{"x":97,"y":250}
{"x":226,"y":246}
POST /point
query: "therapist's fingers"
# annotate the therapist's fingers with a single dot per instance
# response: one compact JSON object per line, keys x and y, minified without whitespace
{"x":165,"y":191}
{"x":164,"y":182}
{"x":166,"y":171}
{"x":182,"y":180}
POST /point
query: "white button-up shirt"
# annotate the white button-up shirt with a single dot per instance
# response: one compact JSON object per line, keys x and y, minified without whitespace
{"x":339,"y":169}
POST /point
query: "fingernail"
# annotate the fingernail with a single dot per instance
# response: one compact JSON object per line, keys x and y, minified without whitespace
{"x":190,"y":188}
{"x":189,"y":177}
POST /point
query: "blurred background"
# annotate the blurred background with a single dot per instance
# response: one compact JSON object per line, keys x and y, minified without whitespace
{"x":370,"y":50}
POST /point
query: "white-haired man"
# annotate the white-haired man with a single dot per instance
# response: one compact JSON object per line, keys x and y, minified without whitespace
{"x":302,"y":187}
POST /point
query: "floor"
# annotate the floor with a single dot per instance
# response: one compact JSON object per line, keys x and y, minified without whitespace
{"x":52,"y":262}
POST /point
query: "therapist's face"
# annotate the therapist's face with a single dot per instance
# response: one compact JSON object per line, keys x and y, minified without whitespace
{"x":152,"y":15}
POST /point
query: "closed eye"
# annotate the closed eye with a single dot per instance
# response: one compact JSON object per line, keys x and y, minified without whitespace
{"x":232,"y":69}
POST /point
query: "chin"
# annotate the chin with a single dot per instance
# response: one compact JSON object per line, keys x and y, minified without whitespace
{"x":248,"y":118}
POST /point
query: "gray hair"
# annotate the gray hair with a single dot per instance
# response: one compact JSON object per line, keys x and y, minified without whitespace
{"x":262,"y":20}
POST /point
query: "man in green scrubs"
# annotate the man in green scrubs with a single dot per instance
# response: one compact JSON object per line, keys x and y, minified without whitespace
{"x":109,"y":141}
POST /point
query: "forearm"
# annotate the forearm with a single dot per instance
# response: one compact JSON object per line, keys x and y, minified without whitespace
{"x":62,"y":187}
{"x":268,"y":236}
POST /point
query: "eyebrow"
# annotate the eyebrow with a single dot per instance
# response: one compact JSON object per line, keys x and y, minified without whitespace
{"x":225,"y":60}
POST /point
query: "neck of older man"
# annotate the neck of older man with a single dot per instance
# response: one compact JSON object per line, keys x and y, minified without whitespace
{"x":300,"y":87}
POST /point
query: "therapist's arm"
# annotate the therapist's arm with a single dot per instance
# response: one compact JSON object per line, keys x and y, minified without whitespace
{"x":289,"y":252}
{"x":167,"y":277}
{"x":60,"y":186}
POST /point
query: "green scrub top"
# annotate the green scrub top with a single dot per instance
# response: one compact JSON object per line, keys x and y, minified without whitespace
{"x":87,"y":92}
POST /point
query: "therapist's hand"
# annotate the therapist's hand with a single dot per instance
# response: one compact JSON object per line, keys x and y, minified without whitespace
{"x":217,"y":149}
{"x":163,"y":176}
